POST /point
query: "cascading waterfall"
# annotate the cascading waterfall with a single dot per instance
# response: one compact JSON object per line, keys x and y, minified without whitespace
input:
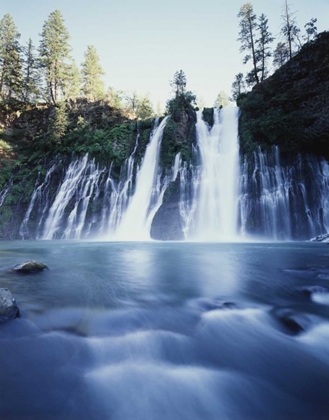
{"x":136,"y":221}
{"x":283,"y":202}
{"x":76,"y":190}
{"x":216,"y":213}
{"x":219,"y":201}
{"x":36,"y":198}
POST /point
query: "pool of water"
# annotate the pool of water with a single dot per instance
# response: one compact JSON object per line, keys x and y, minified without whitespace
{"x":166,"y":331}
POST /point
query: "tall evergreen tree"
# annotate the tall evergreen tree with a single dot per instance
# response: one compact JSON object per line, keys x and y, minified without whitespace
{"x":280,"y":55}
{"x":263,"y":42}
{"x":58,"y":123}
{"x":289,"y":29}
{"x":72,"y":81}
{"x":247,"y":34}
{"x":92,"y":72}
{"x":11,"y":77}
{"x":54,"y":53}
{"x":144,"y":109}
{"x":32,"y":77}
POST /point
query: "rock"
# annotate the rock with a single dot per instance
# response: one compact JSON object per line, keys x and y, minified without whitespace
{"x":8,"y":306}
{"x":293,"y":322}
{"x":30,"y":267}
{"x":321,"y":238}
{"x":310,"y":290}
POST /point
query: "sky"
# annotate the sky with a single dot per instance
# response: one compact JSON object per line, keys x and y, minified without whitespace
{"x":141,"y":43}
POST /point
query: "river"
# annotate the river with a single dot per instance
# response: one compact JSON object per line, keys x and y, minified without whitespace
{"x":165,"y":330}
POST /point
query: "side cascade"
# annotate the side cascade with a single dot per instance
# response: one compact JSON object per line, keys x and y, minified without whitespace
{"x":283,"y":202}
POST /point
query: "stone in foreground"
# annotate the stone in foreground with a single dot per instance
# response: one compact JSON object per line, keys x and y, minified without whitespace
{"x":30,"y":267}
{"x":8,"y":306}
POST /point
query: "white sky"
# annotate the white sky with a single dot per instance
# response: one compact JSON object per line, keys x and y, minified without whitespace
{"x":141,"y":43}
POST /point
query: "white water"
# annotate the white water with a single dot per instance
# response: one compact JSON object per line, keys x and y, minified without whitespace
{"x":216,"y":213}
{"x":136,"y":223}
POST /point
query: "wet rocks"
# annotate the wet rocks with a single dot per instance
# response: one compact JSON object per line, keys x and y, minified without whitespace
{"x":8,"y":306}
{"x":310,"y":290}
{"x":293,"y":322}
{"x":29,"y":267}
{"x":321,"y":238}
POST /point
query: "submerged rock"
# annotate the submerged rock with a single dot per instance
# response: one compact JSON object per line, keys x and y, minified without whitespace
{"x":321,"y":238}
{"x":310,"y":290}
{"x":30,"y":267}
{"x":293,"y":322}
{"x":8,"y":306}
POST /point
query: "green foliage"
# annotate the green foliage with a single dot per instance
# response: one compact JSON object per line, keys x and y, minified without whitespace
{"x":208,"y":116}
{"x":178,"y":137}
{"x":72,"y":82}
{"x":59,"y":123}
{"x":32,"y":76}
{"x":92,"y":72}
{"x":54,"y":53}
{"x":183,"y":101}
{"x":11,"y":76}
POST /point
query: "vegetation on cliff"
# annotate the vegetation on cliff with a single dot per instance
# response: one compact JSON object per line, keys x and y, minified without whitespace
{"x":290,"y":109}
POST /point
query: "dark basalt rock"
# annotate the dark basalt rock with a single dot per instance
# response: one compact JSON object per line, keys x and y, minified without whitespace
{"x":8,"y":306}
{"x":29,"y":267}
{"x":293,"y":322}
{"x":309,"y":290}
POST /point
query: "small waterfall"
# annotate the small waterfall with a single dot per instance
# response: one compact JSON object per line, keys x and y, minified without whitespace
{"x":36,"y":199}
{"x":76,"y":190}
{"x":5,"y":191}
{"x":136,"y":221}
{"x":216,"y":213}
{"x":283,"y":202}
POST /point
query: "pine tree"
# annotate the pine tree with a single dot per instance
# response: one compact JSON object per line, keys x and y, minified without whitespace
{"x":222,"y":100}
{"x":289,"y":29}
{"x":311,"y":30}
{"x":114,"y":98}
{"x":263,"y":51}
{"x":93,"y":86}
{"x":32,"y":76}
{"x":11,"y":77}
{"x":178,"y":84}
{"x":238,"y":86}
{"x":144,"y":109}
{"x":72,"y":81}
{"x":58,"y":123}
{"x":54,"y":52}
{"x":280,"y":55}
{"x":247,"y":33}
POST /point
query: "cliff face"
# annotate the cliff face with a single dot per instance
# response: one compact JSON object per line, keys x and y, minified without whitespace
{"x":290,"y":109}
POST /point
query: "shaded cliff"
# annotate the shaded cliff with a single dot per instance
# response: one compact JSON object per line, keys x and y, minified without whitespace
{"x":290,"y":109}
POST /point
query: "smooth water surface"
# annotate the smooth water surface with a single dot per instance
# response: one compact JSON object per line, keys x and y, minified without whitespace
{"x":166,"y":331}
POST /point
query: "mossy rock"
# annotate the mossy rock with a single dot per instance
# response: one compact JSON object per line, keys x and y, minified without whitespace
{"x":30,"y":267}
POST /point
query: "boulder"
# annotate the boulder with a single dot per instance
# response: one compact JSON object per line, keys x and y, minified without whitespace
{"x":8,"y":306}
{"x":30,"y":267}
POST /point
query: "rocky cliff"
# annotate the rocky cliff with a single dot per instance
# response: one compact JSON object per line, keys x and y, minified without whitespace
{"x":290,"y":109}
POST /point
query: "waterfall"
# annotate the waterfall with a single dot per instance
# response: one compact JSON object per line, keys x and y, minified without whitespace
{"x":76,"y":190}
{"x":216,"y":213}
{"x":136,"y":221}
{"x":283,"y":202}
{"x":36,"y":199}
